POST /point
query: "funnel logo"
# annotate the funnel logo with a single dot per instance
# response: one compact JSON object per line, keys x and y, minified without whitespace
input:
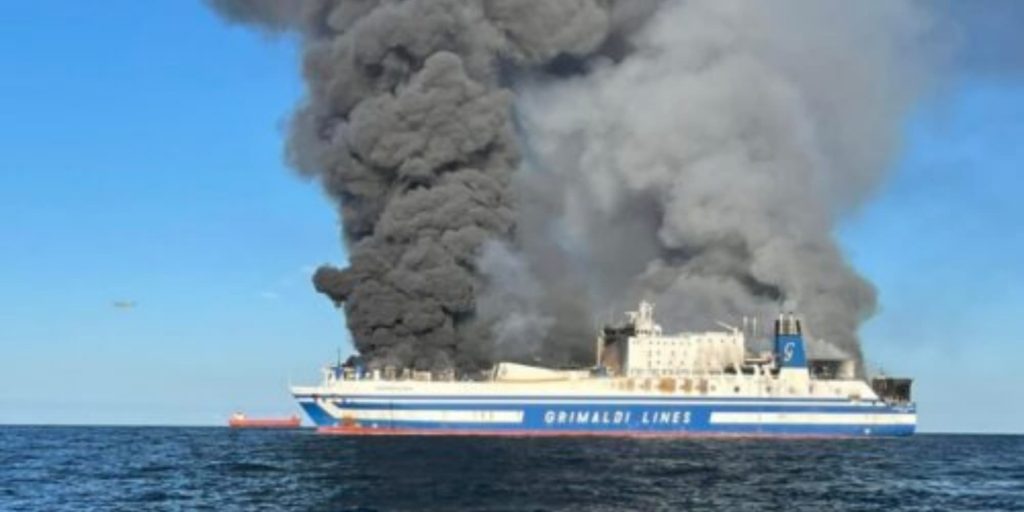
{"x":787,"y":352}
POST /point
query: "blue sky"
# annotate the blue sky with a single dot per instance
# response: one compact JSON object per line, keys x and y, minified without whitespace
{"x":943,"y":244}
{"x":140,"y":159}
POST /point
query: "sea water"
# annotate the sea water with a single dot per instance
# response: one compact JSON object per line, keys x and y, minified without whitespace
{"x":150,"y":468}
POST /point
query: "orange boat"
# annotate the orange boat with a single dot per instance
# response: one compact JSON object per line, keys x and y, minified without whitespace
{"x":239,"y":420}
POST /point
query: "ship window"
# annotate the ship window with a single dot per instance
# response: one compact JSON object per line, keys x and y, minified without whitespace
{"x":736,"y":389}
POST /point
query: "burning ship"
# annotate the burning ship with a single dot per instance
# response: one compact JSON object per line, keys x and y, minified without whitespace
{"x":644,"y":383}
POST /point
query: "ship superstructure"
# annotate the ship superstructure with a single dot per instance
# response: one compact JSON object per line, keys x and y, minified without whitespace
{"x":644,"y":383}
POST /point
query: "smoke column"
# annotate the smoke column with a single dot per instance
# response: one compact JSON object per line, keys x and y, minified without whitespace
{"x":507,"y":170}
{"x":707,"y":170}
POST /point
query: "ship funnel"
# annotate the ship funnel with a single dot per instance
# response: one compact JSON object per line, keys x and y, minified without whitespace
{"x":789,"y":343}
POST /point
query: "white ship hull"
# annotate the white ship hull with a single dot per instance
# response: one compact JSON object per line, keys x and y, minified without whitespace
{"x":587,"y":408}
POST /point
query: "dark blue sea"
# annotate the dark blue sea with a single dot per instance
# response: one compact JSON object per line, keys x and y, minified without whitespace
{"x":145,"y":468}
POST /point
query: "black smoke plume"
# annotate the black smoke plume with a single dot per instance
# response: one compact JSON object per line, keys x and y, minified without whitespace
{"x":507,"y":170}
{"x":408,"y":125}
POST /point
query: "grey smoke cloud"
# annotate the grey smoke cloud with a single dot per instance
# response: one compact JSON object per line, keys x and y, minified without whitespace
{"x":508,"y":171}
{"x":708,"y":169}
{"x":514,"y":301}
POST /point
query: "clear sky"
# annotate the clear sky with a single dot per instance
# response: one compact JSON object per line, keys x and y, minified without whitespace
{"x":140,"y":160}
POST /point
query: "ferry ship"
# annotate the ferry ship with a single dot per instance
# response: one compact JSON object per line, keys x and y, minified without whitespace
{"x":644,"y":383}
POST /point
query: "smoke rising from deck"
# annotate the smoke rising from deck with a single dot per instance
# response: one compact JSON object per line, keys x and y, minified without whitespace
{"x":708,"y":169}
{"x":507,"y":171}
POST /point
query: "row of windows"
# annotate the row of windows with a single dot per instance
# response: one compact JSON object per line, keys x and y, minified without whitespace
{"x":687,"y":386}
{"x":697,"y":341}
{"x":673,"y":361}
{"x":672,"y":355}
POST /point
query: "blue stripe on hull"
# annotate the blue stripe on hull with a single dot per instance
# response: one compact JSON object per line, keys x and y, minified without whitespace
{"x":399,"y":427}
{"x":316,"y":413}
{"x":511,"y":406}
{"x":679,"y":418}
